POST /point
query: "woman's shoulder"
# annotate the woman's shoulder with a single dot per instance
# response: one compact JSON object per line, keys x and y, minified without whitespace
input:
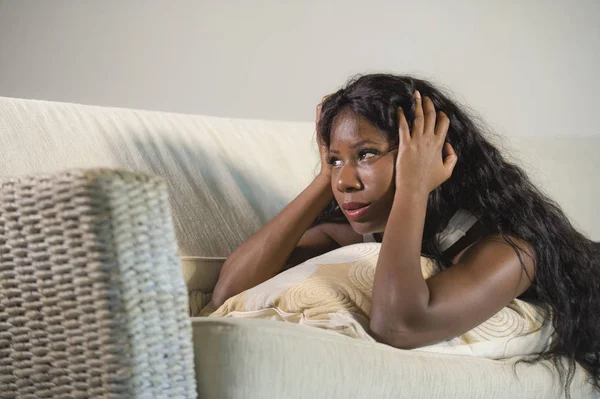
{"x":502,"y":253}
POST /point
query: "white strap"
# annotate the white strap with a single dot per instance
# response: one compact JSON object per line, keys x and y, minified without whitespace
{"x":457,"y":227}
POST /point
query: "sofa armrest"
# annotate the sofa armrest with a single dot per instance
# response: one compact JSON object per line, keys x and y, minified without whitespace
{"x":198,"y":301}
{"x":200,"y":275}
{"x":92,"y":297}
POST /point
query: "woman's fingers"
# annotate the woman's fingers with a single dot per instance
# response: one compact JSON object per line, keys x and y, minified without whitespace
{"x":419,"y":121}
{"x":425,"y":122}
{"x":403,"y":129}
{"x":429,"y":116}
{"x":450,"y":158}
{"x":442,"y":125}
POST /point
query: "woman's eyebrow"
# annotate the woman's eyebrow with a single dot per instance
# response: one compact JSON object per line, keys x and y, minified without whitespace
{"x":360,"y":143}
{"x":364,"y":142}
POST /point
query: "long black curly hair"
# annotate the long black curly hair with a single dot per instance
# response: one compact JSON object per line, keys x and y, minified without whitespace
{"x":567,"y":278}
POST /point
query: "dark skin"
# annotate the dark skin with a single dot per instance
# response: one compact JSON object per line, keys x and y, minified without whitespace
{"x":407,"y":310}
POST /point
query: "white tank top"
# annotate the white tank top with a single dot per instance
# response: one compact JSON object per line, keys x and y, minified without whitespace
{"x":457,"y":227}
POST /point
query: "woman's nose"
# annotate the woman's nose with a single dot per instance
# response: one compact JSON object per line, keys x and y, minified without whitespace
{"x":348,"y":179}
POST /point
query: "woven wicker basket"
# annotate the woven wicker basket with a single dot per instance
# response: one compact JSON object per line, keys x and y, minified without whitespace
{"x":92,"y":298}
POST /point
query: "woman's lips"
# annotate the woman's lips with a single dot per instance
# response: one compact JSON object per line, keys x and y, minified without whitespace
{"x":354,"y":210}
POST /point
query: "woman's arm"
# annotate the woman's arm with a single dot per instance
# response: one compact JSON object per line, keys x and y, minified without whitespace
{"x":265,"y":253}
{"x":407,"y":310}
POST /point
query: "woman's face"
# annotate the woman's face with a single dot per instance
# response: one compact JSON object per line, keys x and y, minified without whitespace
{"x":362,"y":178}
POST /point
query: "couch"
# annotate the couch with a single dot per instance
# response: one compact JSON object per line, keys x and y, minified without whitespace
{"x":114,"y":224}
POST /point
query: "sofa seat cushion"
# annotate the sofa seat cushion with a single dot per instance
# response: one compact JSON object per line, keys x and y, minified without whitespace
{"x":250,"y":358}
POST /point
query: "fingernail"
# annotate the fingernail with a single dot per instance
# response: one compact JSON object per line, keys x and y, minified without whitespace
{"x":417,"y":95}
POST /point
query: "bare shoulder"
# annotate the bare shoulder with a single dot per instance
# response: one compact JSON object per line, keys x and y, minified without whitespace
{"x":504,"y":255}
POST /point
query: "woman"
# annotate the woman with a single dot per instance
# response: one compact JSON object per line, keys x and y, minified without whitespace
{"x":433,"y":187}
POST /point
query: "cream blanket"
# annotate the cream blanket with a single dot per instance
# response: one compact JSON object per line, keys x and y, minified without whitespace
{"x":333,"y":291}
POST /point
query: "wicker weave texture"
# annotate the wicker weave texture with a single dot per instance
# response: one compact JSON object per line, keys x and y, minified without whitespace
{"x":92,"y":298}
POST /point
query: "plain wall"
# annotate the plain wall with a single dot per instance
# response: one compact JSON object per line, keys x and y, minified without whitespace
{"x":527,"y":67}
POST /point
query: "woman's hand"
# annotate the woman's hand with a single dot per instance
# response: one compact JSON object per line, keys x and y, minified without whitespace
{"x":323,"y":150}
{"x":421,"y":166}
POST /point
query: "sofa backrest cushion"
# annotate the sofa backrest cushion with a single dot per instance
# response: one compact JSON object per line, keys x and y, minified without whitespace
{"x":227,"y":177}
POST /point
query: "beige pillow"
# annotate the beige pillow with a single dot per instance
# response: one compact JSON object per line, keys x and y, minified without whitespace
{"x":333,"y":291}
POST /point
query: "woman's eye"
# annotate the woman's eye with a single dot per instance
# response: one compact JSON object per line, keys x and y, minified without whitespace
{"x":367,"y":154}
{"x":335,"y":162}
